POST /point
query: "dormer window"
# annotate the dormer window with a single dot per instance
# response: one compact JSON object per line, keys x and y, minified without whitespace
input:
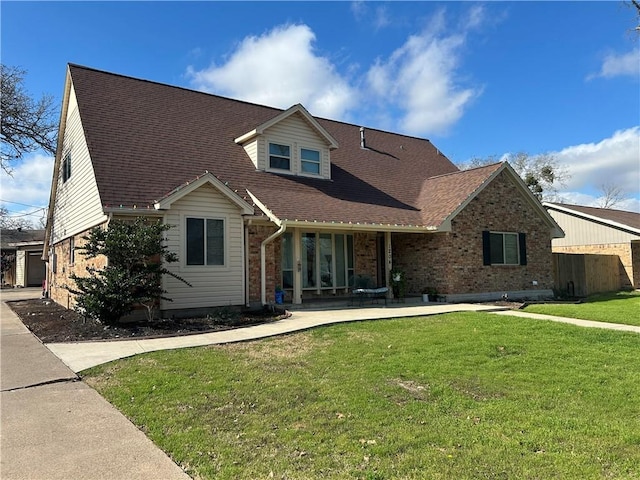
{"x":279,"y":156}
{"x":310,"y":161}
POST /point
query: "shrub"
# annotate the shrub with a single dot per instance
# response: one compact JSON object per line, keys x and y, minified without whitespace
{"x":136,"y":258}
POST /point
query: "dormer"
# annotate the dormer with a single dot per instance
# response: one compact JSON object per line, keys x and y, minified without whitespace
{"x":293,"y":143}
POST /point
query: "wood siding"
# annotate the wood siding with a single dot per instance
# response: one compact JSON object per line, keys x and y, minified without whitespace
{"x":212,"y":286}
{"x":77,"y":206}
{"x":579,"y":231}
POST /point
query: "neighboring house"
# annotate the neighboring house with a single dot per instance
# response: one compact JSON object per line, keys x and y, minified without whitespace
{"x":591,"y":230}
{"x":22,"y":264}
{"x":259,"y":198}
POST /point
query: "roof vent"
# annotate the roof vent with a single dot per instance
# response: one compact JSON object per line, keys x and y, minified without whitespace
{"x":363,"y":143}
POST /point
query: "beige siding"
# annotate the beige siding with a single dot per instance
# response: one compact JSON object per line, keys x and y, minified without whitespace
{"x":579,"y":231}
{"x":297,"y":133}
{"x":252,"y":150}
{"x":211,"y":285}
{"x":77,"y":205}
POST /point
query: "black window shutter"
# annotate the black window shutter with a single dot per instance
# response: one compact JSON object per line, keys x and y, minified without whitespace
{"x":486,"y":247}
{"x":522,"y":239}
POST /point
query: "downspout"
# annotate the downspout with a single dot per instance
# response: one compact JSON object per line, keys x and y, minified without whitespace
{"x":263,"y":261}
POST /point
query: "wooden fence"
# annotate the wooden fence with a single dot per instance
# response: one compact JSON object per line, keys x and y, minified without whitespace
{"x":580,"y":274}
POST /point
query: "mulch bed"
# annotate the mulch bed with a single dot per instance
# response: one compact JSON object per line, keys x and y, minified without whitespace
{"x":52,"y":323}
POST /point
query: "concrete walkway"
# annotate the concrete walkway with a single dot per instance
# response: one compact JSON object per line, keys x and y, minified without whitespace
{"x":79,"y":356}
{"x":53,"y":426}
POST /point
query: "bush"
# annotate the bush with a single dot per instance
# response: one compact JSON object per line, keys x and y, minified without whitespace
{"x":136,"y":257}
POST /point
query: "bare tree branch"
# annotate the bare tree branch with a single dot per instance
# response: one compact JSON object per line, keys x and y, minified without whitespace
{"x":26,"y":125}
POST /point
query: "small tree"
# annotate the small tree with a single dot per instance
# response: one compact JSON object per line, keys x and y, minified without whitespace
{"x":136,"y":258}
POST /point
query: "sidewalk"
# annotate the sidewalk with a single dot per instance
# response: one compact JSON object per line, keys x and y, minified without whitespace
{"x":53,"y":426}
{"x":82,"y":355}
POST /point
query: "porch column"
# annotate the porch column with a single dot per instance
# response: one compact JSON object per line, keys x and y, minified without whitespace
{"x":389,"y":265}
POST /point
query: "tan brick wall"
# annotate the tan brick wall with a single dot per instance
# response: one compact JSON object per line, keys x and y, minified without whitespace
{"x":628,"y":253}
{"x":452,"y":262}
{"x":64,"y":268}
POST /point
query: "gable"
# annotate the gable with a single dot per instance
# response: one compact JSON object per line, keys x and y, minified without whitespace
{"x":75,"y":203}
{"x":303,"y":143}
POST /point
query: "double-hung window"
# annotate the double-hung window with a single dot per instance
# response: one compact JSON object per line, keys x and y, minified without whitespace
{"x":504,"y":248}
{"x":279,"y":156}
{"x":310,"y":161}
{"x":205,"y":241}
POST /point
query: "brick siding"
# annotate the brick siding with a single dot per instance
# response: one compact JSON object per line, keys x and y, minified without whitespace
{"x":452,"y":262}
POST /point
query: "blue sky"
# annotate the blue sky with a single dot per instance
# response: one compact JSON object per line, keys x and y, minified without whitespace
{"x":477,"y":79}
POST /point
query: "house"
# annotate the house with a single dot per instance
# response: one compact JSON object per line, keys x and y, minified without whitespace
{"x":602,"y":231}
{"x":22,"y":264}
{"x":260,"y":198}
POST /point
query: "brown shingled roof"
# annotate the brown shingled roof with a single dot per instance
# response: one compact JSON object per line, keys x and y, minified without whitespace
{"x":622,"y":217}
{"x":145,"y":139}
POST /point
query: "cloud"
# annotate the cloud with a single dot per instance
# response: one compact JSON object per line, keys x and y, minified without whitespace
{"x":280,"y":69}
{"x":419,"y":78}
{"x":414,"y":90}
{"x":29,"y":184}
{"x":614,"y":160}
{"x":616,"y":65}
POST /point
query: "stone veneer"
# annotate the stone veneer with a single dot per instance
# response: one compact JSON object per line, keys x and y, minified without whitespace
{"x":452,"y":262}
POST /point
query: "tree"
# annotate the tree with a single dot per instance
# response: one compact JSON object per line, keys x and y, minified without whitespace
{"x":635,"y":4}
{"x":136,"y":257}
{"x":14,"y":222}
{"x":26,"y":125}
{"x":541,"y":173}
{"x":612,"y":195}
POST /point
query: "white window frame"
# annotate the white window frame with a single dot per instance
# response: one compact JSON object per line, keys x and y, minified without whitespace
{"x":504,"y":249}
{"x":318,"y":281}
{"x":302,"y":161}
{"x":291,"y":159}
{"x":66,"y":167}
{"x":225,"y":242}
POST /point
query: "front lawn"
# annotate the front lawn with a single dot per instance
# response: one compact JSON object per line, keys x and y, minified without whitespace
{"x":457,"y":396}
{"x":620,"y":307}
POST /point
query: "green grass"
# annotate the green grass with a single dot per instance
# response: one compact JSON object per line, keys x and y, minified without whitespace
{"x":620,"y":307}
{"x":457,"y":396}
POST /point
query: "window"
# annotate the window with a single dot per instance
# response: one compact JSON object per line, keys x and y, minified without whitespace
{"x":279,"y":156}
{"x":327,"y":260}
{"x":205,"y":241}
{"x":310,"y":161}
{"x":72,"y":250}
{"x":287,"y":261}
{"x":504,"y":248}
{"x":66,"y":167}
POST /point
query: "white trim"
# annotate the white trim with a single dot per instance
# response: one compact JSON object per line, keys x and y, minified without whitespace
{"x":298,"y":108}
{"x":209,"y":178}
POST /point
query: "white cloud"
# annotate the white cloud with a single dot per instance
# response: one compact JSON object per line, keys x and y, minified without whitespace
{"x":420,"y":79}
{"x":280,"y":68}
{"x":614,"y":160}
{"x":30,"y":184}
{"x":615,"y":65}
{"x":414,"y":90}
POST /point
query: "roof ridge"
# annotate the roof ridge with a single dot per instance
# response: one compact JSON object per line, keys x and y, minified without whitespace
{"x":463,"y":171}
{"x":245,"y":102}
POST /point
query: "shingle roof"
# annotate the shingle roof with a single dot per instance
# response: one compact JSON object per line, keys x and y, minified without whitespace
{"x":607,"y":215}
{"x":9,"y":238}
{"x":145,"y":139}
